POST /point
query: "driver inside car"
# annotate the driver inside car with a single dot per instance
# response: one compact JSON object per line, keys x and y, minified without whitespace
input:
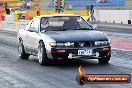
{"x":44,"y":25}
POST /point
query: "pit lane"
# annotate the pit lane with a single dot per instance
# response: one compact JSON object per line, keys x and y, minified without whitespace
{"x":16,"y":73}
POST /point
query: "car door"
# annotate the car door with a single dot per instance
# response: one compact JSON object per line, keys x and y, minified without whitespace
{"x":25,"y":35}
{"x":33,"y":37}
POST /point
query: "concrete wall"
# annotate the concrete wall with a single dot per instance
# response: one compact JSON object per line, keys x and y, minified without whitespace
{"x":117,"y":16}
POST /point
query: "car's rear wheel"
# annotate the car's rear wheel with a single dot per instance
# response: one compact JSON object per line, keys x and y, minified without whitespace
{"x":42,"y":56}
{"x":21,"y":51}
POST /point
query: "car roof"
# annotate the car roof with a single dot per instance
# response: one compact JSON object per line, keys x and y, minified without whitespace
{"x":52,"y":15}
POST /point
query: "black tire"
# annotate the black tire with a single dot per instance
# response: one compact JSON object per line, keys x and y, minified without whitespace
{"x":104,"y":60}
{"x":42,"y":56}
{"x":21,"y":51}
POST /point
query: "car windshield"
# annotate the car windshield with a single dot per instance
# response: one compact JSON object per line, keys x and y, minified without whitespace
{"x":63,"y":23}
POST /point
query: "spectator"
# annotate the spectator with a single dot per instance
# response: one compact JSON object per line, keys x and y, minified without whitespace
{"x":20,"y":4}
{"x":2,"y":12}
{"x":92,"y":16}
{"x":7,"y":10}
{"x":91,"y":8}
{"x":25,"y":4}
{"x":92,"y":13}
{"x":28,"y":5}
{"x":37,"y":8}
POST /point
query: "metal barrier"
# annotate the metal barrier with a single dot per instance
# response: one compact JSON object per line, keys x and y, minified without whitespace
{"x":114,"y":16}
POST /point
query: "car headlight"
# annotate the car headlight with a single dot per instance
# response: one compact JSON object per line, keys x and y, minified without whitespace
{"x":53,"y":44}
{"x":102,"y":42}
{"x":109,"y":41}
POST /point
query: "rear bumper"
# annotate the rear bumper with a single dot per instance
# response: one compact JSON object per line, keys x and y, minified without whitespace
{"x":71,"y":53}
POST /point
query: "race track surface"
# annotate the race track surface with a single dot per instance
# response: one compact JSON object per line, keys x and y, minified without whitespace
{"x":16,"y":73}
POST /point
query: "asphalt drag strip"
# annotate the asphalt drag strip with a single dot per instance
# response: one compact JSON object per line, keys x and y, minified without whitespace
{"x":16,"y":73}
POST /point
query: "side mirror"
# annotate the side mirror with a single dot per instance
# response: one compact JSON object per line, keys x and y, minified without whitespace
{"x":33,"y":29}
{"x":94,"y":26}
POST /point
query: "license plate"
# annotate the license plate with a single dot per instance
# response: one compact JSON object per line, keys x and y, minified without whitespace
{"x":85,"y":52}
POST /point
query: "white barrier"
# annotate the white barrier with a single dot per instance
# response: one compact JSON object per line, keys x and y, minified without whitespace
{"x":13,"y":26}
{"x":114,"y":16}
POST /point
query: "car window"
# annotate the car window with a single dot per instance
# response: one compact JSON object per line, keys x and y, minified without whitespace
{"x":34,"y":24}
{"x":61,"y":23}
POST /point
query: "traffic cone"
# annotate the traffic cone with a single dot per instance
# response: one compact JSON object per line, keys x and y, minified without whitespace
{"x":27,"y":16}
{"x":55,"y":10}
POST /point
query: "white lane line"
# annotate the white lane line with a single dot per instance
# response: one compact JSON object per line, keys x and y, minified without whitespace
{"x":121,"y":49}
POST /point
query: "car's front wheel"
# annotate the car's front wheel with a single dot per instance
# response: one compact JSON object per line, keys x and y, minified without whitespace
{"x":42,"y":56}
{"x":21,"y":51}
{"x":105,"y":57}
{"x":104,"y":60}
